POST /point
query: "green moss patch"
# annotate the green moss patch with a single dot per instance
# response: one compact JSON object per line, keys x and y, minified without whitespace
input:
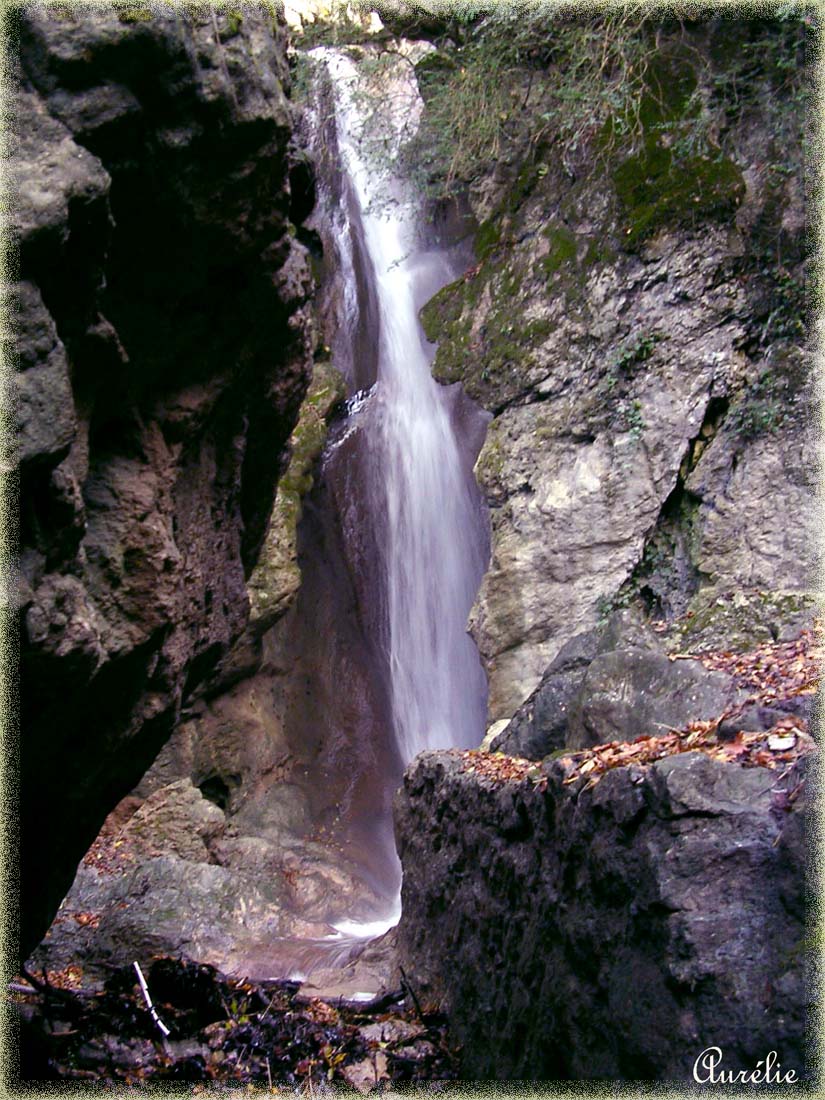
{"x":325,"y":391}
{"x":491,"y":363}
{"x":487,"y":238}
{"x":677,"y":177}
{"x":719,"y":619}
{"x":443,"y":309}
{"x":562,"y":249}
{"x":655,"y":191}
{"x":277,"y":575}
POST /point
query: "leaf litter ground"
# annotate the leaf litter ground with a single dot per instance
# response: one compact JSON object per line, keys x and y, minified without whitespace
{"x":774,"y":674}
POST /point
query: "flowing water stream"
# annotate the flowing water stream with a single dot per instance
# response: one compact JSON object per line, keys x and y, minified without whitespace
{"x":420,"y":497}
{"x":411,"y":520}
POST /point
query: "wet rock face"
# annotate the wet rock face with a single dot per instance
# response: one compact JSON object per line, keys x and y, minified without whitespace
{"x":162,"y":353}
{"x":611,"y":932}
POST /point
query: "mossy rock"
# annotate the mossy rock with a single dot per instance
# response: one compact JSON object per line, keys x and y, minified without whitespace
{"x":671,"y":82}
{"x":277,"y":576}
{"x":666,"y":577}
{"x":491,"y":460}
{"x":655,"y":192}
{"x":719,"y":619}
{"x":492,"y":356}
{"x":598,"y":251}
{"x":658,"y":187}
{"x":562,"y":249}
{"x":443,"y":309}
{"x":487,"y":238}
{"x":325,"y":391}
{"x":523,"y":186}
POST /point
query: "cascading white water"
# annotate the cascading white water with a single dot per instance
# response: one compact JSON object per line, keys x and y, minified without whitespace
{"x":421,"y":496}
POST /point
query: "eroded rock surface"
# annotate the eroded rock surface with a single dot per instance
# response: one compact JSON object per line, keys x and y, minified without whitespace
{"x":179,"y":876}
{"x":162,"y":352}
{"x":612,"y":930}
{"x":639,"y":338}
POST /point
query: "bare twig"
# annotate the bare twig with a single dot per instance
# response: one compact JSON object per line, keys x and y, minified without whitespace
{"x":162,"y":1028}
{"x":411,"y":992}
{"x":17,"y":987}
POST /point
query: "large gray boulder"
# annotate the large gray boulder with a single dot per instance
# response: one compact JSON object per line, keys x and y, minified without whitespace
{"x":613,"y":930}
{"x":631,"y":692}
{"x":540,"y":725}
{"x":624,"y":679}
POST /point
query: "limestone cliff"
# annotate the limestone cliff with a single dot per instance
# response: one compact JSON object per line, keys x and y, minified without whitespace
{"x":161,"y":342}
{"x":635,"y":321}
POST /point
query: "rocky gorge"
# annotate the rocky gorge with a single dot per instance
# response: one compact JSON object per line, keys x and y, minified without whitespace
{"x":150,"y":437}
{"x":618,"y":877}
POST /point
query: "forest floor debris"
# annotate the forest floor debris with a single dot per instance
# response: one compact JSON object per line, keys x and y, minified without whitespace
{"x":222,"y":1032}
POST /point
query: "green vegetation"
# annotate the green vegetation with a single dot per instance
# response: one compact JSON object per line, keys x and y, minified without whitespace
{"x":337,"y":32}
{"x":643,"y":95}
{"x":325,"y":391}
{"x":508,"y":78}
{"x":606,"y":605}
{"x":487,"y":238}
{"x":773,"y":400}
{"x":591,"y":89}
{"x":134,"y":15}
{"x":635,"y":420}
{"x":637,"y":350}
{"x":634,"y":351}
{"x":562,"y":249}
{"x":494,"y":362}
{"x":234,"y":22}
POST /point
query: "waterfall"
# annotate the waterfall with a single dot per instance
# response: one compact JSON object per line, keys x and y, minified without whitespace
{"x":421,"y":499}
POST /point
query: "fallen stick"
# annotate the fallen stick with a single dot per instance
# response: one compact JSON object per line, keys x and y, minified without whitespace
{"x":17,"y":987}
{"x":406,"y":983}
{"x":164,"y":1030}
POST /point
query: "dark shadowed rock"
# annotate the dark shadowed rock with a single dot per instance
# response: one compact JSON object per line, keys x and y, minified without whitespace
{"x":541,"y":725}
{"x":45,"y":407}
{"x":620,"y":929}
{"x":756,"y":717}
{"x":162,"y":350}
